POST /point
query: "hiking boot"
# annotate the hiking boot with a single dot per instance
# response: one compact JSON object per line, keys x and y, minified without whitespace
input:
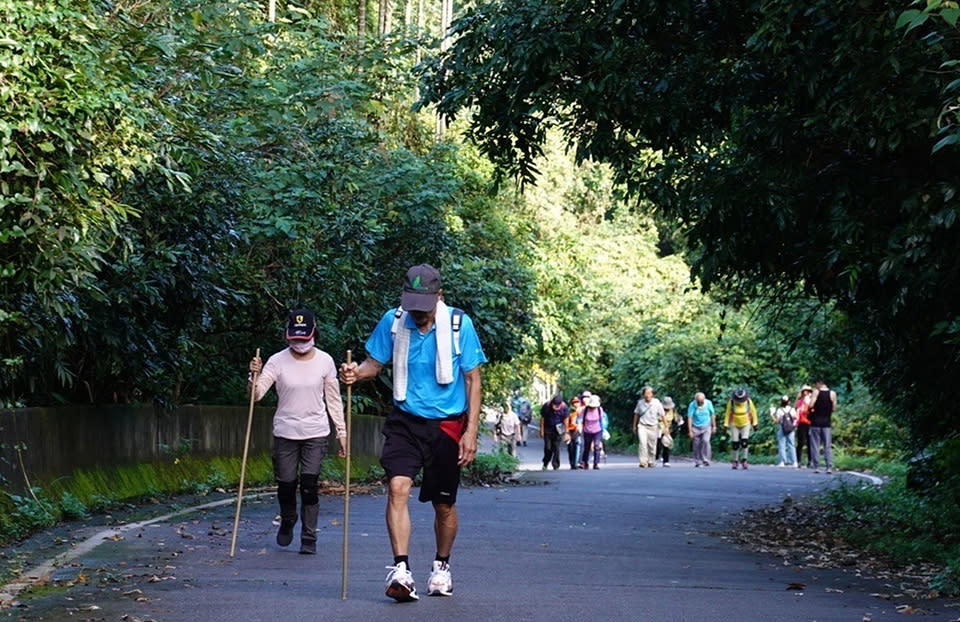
{"x":734,"y":465}
{"x":308,"y":528}
{"x":743,"y":465}
{"x":287,"y":496}
{"x":285,"y":533}
{"x":400,"y":585}
{"x":440,"y":583}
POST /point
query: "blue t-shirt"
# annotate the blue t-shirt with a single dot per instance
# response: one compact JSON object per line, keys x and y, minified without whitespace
{"x":425,"y":397}
{"x":700,"y":416}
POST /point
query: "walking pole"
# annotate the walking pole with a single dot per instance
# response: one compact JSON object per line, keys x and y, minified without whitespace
{"x":243,"y":463}
{"x":346,"y":488}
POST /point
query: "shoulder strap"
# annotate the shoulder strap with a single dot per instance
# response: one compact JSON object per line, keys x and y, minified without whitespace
{"x":397,"y":317}
{"x":455,"y":322}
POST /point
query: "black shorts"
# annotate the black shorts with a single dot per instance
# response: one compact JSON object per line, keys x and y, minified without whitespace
{"x":413,"y":443}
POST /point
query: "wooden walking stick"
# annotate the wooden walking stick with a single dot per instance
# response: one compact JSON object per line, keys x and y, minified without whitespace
{"x":346,"y":488}
{"x":243,"y":463}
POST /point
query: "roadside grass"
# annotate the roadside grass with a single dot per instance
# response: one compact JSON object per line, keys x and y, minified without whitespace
{"x":101,"y":490}
{"x":903,"y":525}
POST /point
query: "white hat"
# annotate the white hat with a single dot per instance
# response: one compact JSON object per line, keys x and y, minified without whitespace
{"x":593,"y":401}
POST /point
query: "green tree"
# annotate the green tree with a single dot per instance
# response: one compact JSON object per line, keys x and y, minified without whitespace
{"x":71,"y":134}
{"x":787,"y":142}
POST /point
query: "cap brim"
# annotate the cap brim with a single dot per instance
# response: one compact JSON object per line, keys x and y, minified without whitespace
{"x":300,"y":337}
{"x":412,"y":301}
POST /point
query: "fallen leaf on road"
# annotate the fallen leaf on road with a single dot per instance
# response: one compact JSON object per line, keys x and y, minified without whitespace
{"x":796,"y":586}
{"x":834,"y":590}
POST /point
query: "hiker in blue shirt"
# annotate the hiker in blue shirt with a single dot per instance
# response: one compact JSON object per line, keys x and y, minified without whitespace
{"x":703,"y":424}
{"x":435,"y":419}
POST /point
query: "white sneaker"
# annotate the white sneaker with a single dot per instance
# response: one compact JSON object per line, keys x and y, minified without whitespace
{"x":781,"y":465}
{"x":400,"y":585}
{"x":440,"y":582}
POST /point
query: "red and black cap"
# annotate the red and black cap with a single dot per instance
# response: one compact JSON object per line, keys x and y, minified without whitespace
{"x":301,"y":325}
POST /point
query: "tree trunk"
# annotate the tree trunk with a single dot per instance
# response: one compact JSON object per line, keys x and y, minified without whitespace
{"x":446,"y":18}
{"x":361,"y":18}
{"x":386,"y":16}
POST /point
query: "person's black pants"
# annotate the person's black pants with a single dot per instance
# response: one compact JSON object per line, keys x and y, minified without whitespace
{"x":663,"y":451}
{"x":551,"y":447}
{"x":803,"y":445}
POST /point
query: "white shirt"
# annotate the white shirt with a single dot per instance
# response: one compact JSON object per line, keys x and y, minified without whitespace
{"x":509,"y":423}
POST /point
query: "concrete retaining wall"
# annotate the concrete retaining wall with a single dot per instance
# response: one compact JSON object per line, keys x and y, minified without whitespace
{"x":54,"y":442}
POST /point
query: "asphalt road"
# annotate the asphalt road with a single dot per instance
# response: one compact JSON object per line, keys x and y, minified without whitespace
{"x":618,"y":543}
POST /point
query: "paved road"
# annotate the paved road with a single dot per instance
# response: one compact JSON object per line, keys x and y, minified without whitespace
{"x":617,"y":544}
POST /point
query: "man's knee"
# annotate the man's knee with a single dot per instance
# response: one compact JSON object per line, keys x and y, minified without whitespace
{"x":400,"y":486}
{"x":444,"y":511}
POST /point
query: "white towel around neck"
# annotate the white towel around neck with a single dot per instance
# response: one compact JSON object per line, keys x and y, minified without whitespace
{"x":401,"y":350}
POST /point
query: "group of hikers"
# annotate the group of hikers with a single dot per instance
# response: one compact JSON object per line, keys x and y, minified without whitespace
{"x":432,"y":429}
{"x":582,"y":425}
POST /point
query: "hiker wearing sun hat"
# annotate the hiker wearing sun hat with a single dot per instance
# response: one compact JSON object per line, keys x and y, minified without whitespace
{"x":308,"y":397}
{"x":433,"y":426}
{"x":671,"y":419}
{"x":740,"y":417}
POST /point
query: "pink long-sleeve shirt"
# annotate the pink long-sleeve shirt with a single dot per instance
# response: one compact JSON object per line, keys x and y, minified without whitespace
{"x":308,"y":395}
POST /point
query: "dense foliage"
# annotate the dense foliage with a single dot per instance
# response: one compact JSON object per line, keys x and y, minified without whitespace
{"x":169,"y":192}
{"x":789,"y":145}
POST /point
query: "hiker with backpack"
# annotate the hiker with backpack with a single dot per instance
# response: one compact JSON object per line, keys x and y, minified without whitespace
{"x":574,"y":437}
{"x":592,"y":425}
{"x":823,"y":403}
{"x":435,"y":420}
{"x":740,"y":418}
{"x":647,"y":416}
{"x":553,"y":416}
{"x":524,"y":410}
{"x":785,"y":419}
{"x":702,"y":424}
{"x":804,"y":401}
